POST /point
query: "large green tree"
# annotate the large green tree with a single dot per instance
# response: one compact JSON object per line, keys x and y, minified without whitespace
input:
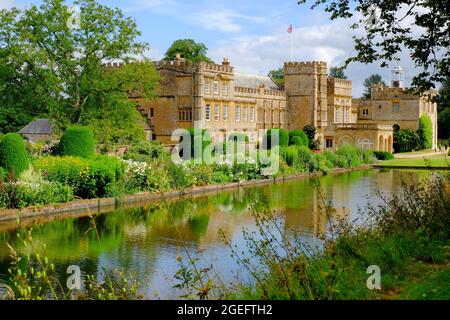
{"x":369,"y":82}
{"x":336,"y":72}
{"x":188,"y":49}
{"x":277,"y":76}
{"x":443,"y":103}
{"x":420,"y":27}
{"x":52,"y":66}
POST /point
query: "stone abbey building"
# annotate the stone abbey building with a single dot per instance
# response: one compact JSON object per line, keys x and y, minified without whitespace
{"x":215,"y":97}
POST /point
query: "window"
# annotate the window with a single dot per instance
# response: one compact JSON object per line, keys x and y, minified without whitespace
{"x":208,"y":113}
{"x":245,"y":114}
{"x":336,"y":115}
{"x":225,"y":113}
{"x":225,"y":89}
{"x":216,"y":112}
{"x":329,"y":143}
{"x":185,"y":114}
{"x":238,"y":113}
{"x":396,"y":106}
{"x":252,"y":114}
{"x":365,"y":144}
{"x":207,"y":87}
{"x":152,"y":112}
{"x":346,"y":115}
{"x":365,"y":112}
{"x":216,"y":87}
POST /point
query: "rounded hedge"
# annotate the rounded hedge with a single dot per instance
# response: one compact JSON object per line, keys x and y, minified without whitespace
{"x":13,"y":154}
{"x":77,"y":141}
{"x":298,"y":138}
{"x":282,"y":134}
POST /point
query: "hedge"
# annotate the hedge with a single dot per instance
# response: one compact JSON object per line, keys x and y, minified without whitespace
{"x":90,"y":178}
{"x":13,"y":154}
{"x":77,"y":141}
{"x":425,"y":131}
{"x":383,"y":155}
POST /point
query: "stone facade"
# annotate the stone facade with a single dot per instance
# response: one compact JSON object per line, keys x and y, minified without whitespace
{"x":214,"y":97}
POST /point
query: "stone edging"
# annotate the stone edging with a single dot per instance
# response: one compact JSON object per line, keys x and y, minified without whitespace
{"x":93,"y":206}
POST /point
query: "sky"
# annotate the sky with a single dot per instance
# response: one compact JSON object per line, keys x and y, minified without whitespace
{"x":251,"y":33}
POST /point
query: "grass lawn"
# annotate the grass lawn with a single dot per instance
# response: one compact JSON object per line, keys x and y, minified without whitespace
{"x":416,"y":152}
{"x":435,"y":161}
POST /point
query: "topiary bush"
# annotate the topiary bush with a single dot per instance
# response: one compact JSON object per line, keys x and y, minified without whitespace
{"x":425,"y":132}
{"x":77,"y":141}
{"x":283,"y":140}
{"x":13,"y":154}
{"x":298,"y":138}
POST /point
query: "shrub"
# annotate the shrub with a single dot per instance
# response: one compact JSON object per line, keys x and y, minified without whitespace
{"x":368,"y":156}
{"x":332,"y":159}
{"x":383,"y":155}
{"x":178,"y":176}
{"x":145,"y":151}
{"x":305,"y":159}
{"x":77,"y":141}
{"x":290,"y":155}
{"x":425,"y":132}
{"x":13,"y":154}
{"x":282,"y":134}
{"x":201,"y":174}
{"x":406,"y":140}
{"x":3,"y":174}
{"x":298,"y":138}
{"x":89,"y":178}
{"x":220,"y":177}
{"x":23,"y":194}
{"x":348,"y":156}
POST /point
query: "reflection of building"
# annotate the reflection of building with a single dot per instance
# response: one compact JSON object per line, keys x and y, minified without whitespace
{"x":212,"y":96}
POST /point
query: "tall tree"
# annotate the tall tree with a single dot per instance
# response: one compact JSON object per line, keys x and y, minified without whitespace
{"x":443,"y":103}
{"x":277,"y":76}
{"x":391,"y":27}
{"x":369,"y":82}
{"x":336,"y":72}
{"x":188,"y":49}
{"x":53,"y":67}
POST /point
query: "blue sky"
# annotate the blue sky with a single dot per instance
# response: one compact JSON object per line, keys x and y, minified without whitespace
{"x":251,"y":33}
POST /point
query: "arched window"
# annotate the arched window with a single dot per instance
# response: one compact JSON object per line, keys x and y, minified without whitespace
{"x":365,"y":144}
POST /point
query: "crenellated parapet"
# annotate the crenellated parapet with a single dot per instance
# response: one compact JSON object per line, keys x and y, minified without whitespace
{"x":296,"y":67}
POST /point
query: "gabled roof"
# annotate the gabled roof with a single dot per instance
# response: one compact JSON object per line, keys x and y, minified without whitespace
{"x":38,"y":126}
{"x":253,"y":81}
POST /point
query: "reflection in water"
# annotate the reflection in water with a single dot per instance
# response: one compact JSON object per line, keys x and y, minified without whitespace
{"x":147,"y":240}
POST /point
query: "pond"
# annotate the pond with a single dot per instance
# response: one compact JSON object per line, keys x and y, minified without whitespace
{"x":147,"y":240}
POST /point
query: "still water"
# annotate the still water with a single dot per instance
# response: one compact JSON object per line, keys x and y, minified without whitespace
{"x":147,"y":240}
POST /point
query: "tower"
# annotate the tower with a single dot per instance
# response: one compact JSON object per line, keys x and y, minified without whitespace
{"x":398,"y":77}
{"x":306,"y":89}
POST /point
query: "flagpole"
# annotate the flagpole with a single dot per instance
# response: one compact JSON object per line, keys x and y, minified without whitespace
{"x":292,"y":44}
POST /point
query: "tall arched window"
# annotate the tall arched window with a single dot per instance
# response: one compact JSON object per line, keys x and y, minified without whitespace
{"x":365,"y":144}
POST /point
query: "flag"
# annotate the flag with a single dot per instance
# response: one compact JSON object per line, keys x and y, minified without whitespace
{"x":290,"y":29}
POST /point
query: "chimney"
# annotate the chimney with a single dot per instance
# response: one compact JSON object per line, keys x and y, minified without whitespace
{"x":226,"y":62}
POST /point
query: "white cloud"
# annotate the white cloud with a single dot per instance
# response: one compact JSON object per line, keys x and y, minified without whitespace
{"x":221,"y":20}
{"x":331,"y":42}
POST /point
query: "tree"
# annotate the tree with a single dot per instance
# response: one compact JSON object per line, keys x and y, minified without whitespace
{"x":369,"y":82}
{"x":443,"y":104}
{"x":336,"y":72}
{"x":13,"y":155}
{"x":277,"y":76}
{"x":48,"y":67}
{"x":188,"y":49}
{"x":386,"y":33}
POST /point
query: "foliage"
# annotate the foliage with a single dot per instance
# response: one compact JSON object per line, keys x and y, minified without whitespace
{"x":188,"y":49}
{"x":179,"y":177}
{"x":406,"y":140}
{"x":336,"y":72}
{"x":310,"y":131}
{"x":146,"y":151}
{"x":348,"y":156}
{"x":90,"y":178}
{"x":385,"y":35}
{"x":443,"y":104}
{"x":298,"y":138}
{"x":21,"y":194}
{"x":13,"y":154}
{"x":277,"y":76}
{"x":143,"y":176}
{"x":383,"y":155}
{"x":369,"y":82}
{"x":425,"y":132}
{"x":200,"y":138}
{"x":77,"y":141}
{"x":60,"y":72}
{"x":283,"y":138}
